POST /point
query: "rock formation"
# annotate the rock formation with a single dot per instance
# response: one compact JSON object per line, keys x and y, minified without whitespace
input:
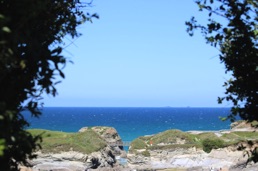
{"x":78,"y":161}
{"x":176,"y":153}
{"x":226,"y":158}
{"x":110,"y":135}
{"x":170,"y":149}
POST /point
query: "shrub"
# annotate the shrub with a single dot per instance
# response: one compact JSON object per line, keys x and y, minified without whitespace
{"x":209,"y":144}
{"x":138,"y":144}
{"x":254,"y":124}
{"x":146,"y":153}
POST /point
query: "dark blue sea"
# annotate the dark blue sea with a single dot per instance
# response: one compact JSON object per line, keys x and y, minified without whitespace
{"x":130,"y":122}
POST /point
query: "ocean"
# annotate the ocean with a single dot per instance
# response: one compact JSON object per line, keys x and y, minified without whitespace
{"x":130,"y":122}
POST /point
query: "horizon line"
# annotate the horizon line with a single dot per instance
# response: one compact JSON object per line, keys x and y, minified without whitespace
{"x":135,"y":107}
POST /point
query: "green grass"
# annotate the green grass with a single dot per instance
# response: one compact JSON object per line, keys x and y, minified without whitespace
{"x":206,"y":135}
{"x":54,"y":141}
{"x":90,"y":141}
{"x":230,"y":136}
{"x":166,"y":140}
{"x":138,"y":144}
{"x":172,"y":136}
{"x":173,"y":146}
{"x":247,"y":135}
{"x":176,"y":139}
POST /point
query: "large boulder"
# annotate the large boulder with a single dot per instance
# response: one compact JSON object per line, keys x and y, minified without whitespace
{"x":109,"y":134}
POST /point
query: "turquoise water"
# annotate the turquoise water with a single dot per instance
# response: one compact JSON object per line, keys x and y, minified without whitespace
{"x":131,"y":122}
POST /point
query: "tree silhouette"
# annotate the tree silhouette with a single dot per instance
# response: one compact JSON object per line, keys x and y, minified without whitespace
{"x":31,"y":39}
{"x":236,"y":38}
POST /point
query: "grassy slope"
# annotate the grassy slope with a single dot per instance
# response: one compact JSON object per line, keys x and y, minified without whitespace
{"x":172,"y":139}
{"x":89,"y":141}
{"x":54,"y":141}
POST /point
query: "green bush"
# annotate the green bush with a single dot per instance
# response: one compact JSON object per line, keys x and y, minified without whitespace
{"x":138,"y":144}
{"x":209,"y":144}
{"x":254,"y":123}
{"x":146,"y":153}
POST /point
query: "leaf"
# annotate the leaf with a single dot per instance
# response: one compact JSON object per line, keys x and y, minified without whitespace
{"x":57,"y":50}
{"x":22,"y":64}
{"x":6,"y":29}
{"x":222,"y":8}
{"x":1,"y":16}
{"x":95,"y":15}
{"x":10,"y":51}
{"x":61,"y":74}
{"x":58,"y":82}
{"x":2,"y":146}
{"x":223,"y":118}
{"x":256,"y":32}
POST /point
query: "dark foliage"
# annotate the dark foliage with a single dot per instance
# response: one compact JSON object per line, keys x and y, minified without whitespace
{"x":31,"y":34}
{"x":233,"y":28}
{"x":95,"y":163}
{"x":209,"y":144}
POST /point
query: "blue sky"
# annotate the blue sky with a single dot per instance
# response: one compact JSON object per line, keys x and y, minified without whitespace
{"x":138,"y":54}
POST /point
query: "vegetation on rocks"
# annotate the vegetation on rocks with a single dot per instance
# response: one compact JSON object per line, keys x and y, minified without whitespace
{"x":138,"y":144}
{"x":178,"y":136}
{"x":176,"y":139}
{"x":244,"y":124}
{"x":146,"y":153}
{"x":86,"y":142}
{"x":209,"y":144}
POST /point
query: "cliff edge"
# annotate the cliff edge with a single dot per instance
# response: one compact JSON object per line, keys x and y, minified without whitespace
{"x":90,"y":148}
{"x":196,"y":150}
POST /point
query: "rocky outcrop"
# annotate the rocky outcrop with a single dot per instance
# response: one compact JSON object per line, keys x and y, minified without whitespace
{"x":177,"y":149}
{"x":226,"y":158}
{"x":75,"y":160}
{"x":148,"y":158}
{"x":109,"y":134}
{"x":244,"y":126}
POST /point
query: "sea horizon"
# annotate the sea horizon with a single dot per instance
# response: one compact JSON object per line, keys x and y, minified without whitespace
{"x":145,"y":106}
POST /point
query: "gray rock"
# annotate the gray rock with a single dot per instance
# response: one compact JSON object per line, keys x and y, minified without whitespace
{"x":190,"y":158}
{"x":76,"y":161}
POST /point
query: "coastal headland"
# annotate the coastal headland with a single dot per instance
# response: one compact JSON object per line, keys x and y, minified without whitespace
{"x":100,"y":148}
